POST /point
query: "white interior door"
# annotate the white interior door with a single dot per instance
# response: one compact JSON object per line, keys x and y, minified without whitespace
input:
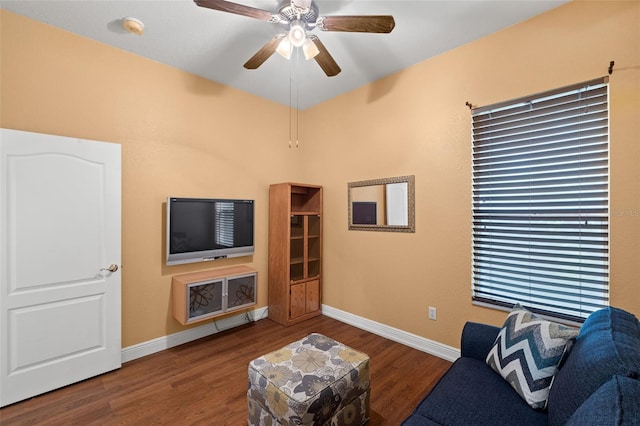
{"x":59,"y":235}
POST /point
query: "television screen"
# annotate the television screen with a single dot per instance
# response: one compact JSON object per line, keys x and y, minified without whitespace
{"x":201,"y":229}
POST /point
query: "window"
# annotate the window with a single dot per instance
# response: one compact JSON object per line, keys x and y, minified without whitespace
{"x":541,"y":201}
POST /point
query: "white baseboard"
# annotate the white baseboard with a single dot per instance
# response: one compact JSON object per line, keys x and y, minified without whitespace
{"x":165,"y":342}
{"x":420,"y":343}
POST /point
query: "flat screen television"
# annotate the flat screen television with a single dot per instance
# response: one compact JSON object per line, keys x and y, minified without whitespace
{"x":202,"y":229}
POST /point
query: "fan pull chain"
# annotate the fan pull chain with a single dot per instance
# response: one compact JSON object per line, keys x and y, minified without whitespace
{"x":291,"y":100}
{"x":297,"y":98}
{"x":290,"y":78}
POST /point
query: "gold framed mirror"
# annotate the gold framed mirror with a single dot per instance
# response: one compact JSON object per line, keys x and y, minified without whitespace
{"x":386,"y":204}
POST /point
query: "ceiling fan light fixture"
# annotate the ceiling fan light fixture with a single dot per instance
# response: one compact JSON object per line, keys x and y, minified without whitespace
{"x":297,"y":34}
{"x":299,"y":16}
{"x":310,"y":49}
{"x":285,"y":48}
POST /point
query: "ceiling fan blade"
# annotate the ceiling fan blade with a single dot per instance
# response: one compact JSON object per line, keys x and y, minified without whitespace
{"x":324,"y":58}
{"x":264,"y":53}
{"x":360,"y":24}
{"x":238,"y":9}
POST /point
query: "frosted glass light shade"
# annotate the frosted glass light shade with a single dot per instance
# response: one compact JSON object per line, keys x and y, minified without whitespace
{"x":310,"y":49}
{"x":297,"y":34}
{"x":285,"y":48}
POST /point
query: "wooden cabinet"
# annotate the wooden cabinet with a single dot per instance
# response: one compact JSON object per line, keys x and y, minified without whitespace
{"x":203,"y":295}
{"x":295,"y":252}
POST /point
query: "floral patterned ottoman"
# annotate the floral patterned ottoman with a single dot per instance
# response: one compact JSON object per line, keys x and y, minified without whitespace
{"x":314,"y":381}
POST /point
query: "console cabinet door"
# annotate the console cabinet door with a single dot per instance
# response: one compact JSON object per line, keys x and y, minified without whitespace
{"x":298,"y":300}
{"x":312,"y":296}
{"x":204,"y":299}
{"x":305,"y":298}
{"x":241,"y":291}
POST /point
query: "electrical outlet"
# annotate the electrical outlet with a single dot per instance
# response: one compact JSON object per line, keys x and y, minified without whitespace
{"x":432,"y":313}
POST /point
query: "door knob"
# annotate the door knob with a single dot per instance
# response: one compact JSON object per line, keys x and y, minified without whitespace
{"x":112,"y":268}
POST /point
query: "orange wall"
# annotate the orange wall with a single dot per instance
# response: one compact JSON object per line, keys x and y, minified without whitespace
{"x":184,"y":136}
{"x":181,"y":136}
{"x":416,"y":122}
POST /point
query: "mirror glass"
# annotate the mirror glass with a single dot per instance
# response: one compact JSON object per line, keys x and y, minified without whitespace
{"x":385,"y":204}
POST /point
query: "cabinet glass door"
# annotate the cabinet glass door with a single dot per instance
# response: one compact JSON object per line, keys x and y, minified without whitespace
{"x":205,"y":299}
{"x":305,"y":247}
{"x":241,"y":291}
{"x":313,"y":246}
{"x":297,"y":244}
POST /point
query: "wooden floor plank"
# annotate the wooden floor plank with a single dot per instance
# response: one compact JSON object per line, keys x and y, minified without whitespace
{"x":205,"y":382}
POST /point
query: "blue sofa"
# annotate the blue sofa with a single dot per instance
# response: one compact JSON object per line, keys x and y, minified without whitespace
{"x":598,"y":382}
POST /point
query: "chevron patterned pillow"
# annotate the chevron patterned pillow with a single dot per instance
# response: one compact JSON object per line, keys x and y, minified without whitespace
{"x":526,"y":354}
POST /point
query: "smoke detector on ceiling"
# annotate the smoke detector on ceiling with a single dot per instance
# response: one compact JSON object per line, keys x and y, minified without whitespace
{"x":133,"y":25}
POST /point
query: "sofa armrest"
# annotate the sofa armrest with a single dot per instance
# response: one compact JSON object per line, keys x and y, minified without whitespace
{"x":477,"y":340}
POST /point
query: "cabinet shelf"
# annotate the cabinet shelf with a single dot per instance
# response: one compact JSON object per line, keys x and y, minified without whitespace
{"x":303,"y":280}
{"x":299,"y":260}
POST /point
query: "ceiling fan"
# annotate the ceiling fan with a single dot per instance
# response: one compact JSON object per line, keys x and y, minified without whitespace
{"x":300,"y":17}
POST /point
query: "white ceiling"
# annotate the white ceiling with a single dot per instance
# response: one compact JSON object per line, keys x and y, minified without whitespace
{"x":215,"y":45}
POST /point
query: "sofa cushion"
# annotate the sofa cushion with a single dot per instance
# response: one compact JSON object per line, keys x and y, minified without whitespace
{"x":617,"y":402}
{"x":477,"y":340}
{"x":527,"y":352}
{"x":471,"y":393}
{"x":608,"y":345}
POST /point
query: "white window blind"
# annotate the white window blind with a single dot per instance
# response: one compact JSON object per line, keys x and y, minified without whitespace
{"x":541,"y":201}
{"x":224,"y":224}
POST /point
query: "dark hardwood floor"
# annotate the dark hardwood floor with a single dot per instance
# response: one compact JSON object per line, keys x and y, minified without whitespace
{"x":205,"y":382}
